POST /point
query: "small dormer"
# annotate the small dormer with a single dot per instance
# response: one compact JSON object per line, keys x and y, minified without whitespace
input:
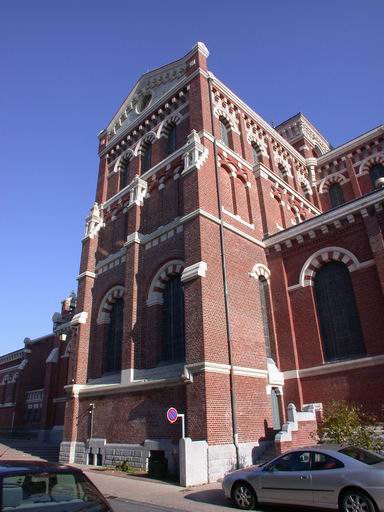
{"x":304,"y":136}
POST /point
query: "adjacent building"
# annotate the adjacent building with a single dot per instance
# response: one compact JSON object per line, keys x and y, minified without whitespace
{"x":32,"y":380}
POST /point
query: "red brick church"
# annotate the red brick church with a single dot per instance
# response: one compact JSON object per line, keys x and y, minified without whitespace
{"x":228,"y":269}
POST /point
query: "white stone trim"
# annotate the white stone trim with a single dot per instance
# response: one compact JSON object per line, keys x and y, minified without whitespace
{"x":326,"y":255}
{"x":259,"y":270}
{"x":193,"y":271}
{"x":79,"y":318}
{"x":259,"y":120}
{"x":294,"y":417}
{"x":326,"y":182}
{"x":111,"y":258}
{"x":60,"y":399}
{"x":334,"y":367}
{"x":349,"y":146}
{"x":262,"y":171}
{"x":12,"y":356}
{"x":320,"y":221}
{"x":113,"y":294}
{"x":370,"y":162}
{"x":238,"y":218}
{"x":174,"y":117}
{"x":252,"y":139}
{"x":283,"y":165}
{"x":155,"y":294}
{"x":53,"y":356}
{"x":209,"y":367}
{"x":219,"y":112}
{"x":120,"y":134}
{"x":149,"y":137}
{"x":87,"y":273}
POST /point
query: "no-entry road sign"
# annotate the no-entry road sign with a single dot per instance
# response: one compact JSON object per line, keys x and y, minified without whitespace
{"x":172,"y":415}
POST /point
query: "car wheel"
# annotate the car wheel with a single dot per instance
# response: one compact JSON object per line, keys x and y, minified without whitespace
{"x":244,"y":496}
{"x":356,"y":501}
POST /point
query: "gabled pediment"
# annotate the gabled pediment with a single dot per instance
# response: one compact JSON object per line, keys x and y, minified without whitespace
{"x":148,"y":90}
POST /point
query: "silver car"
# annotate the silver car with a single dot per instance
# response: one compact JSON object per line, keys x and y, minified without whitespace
{"x":348,"y":479}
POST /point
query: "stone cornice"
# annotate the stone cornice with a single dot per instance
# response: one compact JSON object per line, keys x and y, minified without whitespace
{"x":337,"y":366}
{"x":260,"y":169}
{"x":210,"y":367}
{"x":271,"y":131}
{"x":12,"y":356}
{"x":256,"y":169}
{"x":330,"y":217}
{"x":141,"y":118}
{"x":113,"y":389}
{"x":350,"y":146}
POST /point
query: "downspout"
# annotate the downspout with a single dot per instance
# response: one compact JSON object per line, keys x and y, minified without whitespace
{"x":226,"y":293}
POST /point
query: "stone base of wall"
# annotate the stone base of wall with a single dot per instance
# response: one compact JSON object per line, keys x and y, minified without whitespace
{"x":222,"y":458}
{"x":114,"y":454}
{"x":72,"y":452}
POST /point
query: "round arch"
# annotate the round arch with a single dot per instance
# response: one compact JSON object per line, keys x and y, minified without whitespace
{"x":370,"y":162}
{"x":149,"y":137}
{"x":323,"y":256}
{"x":112,"y":295}
{"x":329,"y":180}
{"x":174,"y":118}
{"x":156,"y":288}
{"x":260,"y":270}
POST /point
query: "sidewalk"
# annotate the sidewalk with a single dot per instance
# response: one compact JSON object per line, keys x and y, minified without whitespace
{"x":207,"y":497}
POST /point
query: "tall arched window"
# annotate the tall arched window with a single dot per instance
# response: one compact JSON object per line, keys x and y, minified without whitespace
{"x":337,"y":311}
{"x":173,"y":320}
{"x":146,"y":157}
{"x":171,"y":140}
{"x":124,"y":175}
{"x":255,"y":153}
{"x":225,"y":130}
{"x":114,"y":340}
{"x":336,"y":195}
{"x":376,"y":172}
{"x":265,"y":312}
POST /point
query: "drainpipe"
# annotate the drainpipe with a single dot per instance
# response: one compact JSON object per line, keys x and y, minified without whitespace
{"x":226,"y":293}
{"x":91,"y":412}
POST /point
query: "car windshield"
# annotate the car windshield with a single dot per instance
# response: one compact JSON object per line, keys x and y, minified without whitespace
{"x":362,"y":455}
{"x":56,"y":492}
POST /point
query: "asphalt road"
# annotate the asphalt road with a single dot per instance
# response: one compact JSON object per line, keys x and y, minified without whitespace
{"x":221,"y":505}
{"x":123,"y":505}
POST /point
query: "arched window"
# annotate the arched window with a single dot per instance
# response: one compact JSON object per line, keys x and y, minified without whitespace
{"x":336,"y":195}
{"x":225,"y":130}
{"x":124,"y":176}
{"x":376,"y":172}
{"x":255,"y":153}
{"x":265,"y":312}
{"x":337,"y":311}
{"x":146,"y":157}
{"x":171,"y":140}
{"x":173,"y":320}
{"x":284,"y":172}
{"x":114,"y":337}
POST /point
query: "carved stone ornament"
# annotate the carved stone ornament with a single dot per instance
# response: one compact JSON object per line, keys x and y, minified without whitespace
{"x":195,"y":155}
{"x":137,"y":191}
{"x":94,"y":221}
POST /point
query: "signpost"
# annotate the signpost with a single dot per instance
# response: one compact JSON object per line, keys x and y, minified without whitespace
{"x":173,"y":415}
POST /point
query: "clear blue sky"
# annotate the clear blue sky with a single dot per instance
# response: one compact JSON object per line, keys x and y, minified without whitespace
{"x":67,"y":65}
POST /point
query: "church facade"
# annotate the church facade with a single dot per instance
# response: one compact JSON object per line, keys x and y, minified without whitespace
{"x":228,"y":269}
